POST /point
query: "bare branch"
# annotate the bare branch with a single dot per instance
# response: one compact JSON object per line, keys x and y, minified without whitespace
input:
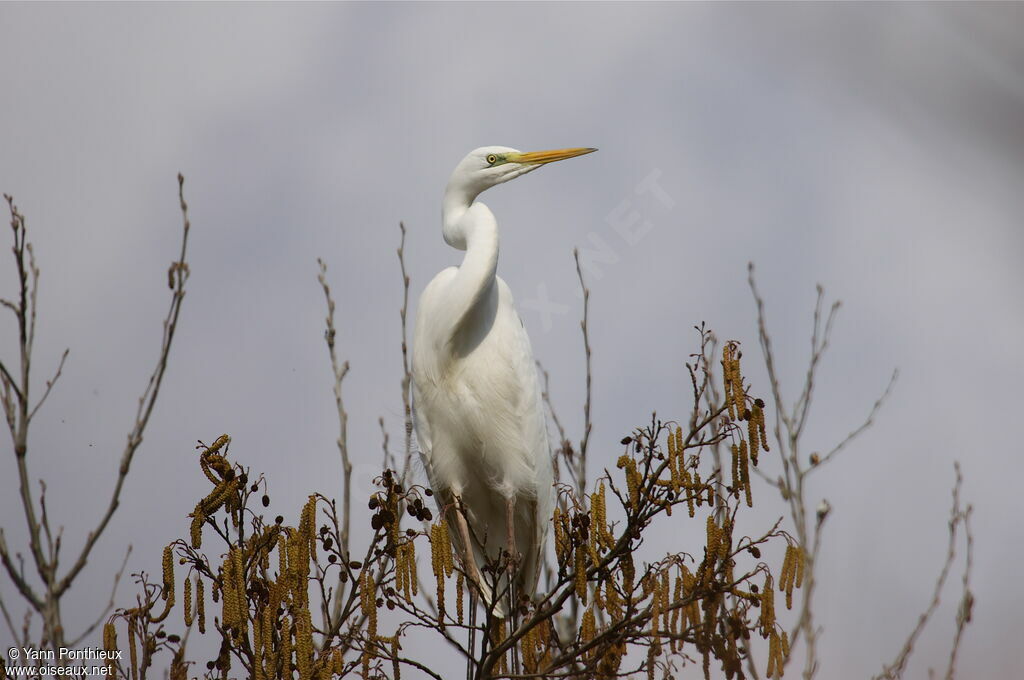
{"x":406,"y":372}
{"x":339,"y":371}
{"x":110,"y":604}
{"x":956,"y":518}
{"x":177,"y":275}
{"x":584,"y":327}
{"x":868,"y":422}
{"x":50,"y":383}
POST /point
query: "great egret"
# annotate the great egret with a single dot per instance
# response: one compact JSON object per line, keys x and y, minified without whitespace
{"x":478,"y":411}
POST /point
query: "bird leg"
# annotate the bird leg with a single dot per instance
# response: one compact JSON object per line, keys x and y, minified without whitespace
{"x":473,"y":571}
{"x":510,"y":527}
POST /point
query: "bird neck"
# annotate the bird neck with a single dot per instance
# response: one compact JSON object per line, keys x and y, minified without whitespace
{"x":457,"y":200}
{"x":470,"y":225}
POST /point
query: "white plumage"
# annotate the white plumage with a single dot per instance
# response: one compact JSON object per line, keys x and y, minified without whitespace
{"x":478,"y":411}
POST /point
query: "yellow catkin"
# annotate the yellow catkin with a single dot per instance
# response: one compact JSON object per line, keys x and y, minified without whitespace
{"x":612,"y":602}
{"x":286,"y":647}
{"x":745,"y":473}
{"x":674,"y":466}
{"x":759,"y":414}
{"x":692,"y":609}
{"x":778,"y":650}
{"x":282,"y":557}
{"x":110,"y":644}
{"x":787,"y":568}
{"x":133,"y":652}
{"x":168,"y":574}
{"x":727,"y":378}
{"x":767,"y":620}
{"x":713,"y":537}
{"x":592,"y":544}
{"x":449,"y":562}
{"x":269,"y":619}
{"x":228,"y":609}
{"x":460,"y":586}
{"x":633,"y":483}
{"x":599,"y":520}
{"x":677,"y":613}
{"x":307,"y":525}
{"x":410,"y":581}
{"x":241,"y":601}
{"x":787,"y":575}
{"x":753,"y":438}
{"x":632,"y":478}
{"x":738,"y":393}
{"x":561,"y":542}
{"x":800,"y":558}
{"x":503,"y":661}
{"x":200,"y":604}
{"x":588,"y":628}
{"x":737,"y":478}
{"x":304,"y":644}
{"x":724,"y":538}
{"x":257,"y":649}
{"x":529,"y":648}
{"x":368,"y":595}
{"x":400,"y":570}
{"x":438,"y":545}
{"x":396,"y":667}
{"x":187,"y":604}
{"x":195,"y":530}
{"x":628,"y":574}
{"x":688,"y":486}
{"x":655,"y":613}
{"x":581,"y":575}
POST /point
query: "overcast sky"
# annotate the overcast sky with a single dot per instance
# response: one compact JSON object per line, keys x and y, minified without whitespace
{"x":875,"y":149}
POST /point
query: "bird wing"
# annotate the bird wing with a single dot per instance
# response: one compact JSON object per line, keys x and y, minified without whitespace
{"x":537,"y":450}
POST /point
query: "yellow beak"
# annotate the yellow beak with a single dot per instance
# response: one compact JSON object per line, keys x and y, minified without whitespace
{"x":540,"y":157}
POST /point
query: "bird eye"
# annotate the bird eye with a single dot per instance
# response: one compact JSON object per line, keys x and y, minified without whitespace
{"x":491,"y":159}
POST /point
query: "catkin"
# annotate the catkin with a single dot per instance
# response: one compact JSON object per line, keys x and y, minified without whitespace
{"x":588,"y":628}
{"x":110,"y":644}
{"x":737,"y":478}
{"x":307,"y":525}
{"x":688,"y":486}
{"x":745,"y":473}
{"x":581,"y":575}
{"x":195,"y":530}
{"x":561,"y":540}
{"x":438,"y":545}
{"x":168,"y":575}
{"x":396,"y":668}
{"x":304,"y":644}
{"x":187,"y":605}
{"x":753,"y":436}
{"x":133,"y":653}
{"x":767,"y":620}
{"x":459,"y":587}
{"x":677,"y":613}
{"x":200,"y":604}
{"x":286,"y":647}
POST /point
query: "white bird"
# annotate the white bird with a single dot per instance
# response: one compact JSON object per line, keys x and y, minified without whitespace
{"x":479,"y":416}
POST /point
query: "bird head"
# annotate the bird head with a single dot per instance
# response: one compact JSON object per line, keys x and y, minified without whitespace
{"x":488,"y":166}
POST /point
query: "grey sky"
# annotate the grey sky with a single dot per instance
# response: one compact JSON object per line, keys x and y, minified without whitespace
{"x":876,"y":149}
